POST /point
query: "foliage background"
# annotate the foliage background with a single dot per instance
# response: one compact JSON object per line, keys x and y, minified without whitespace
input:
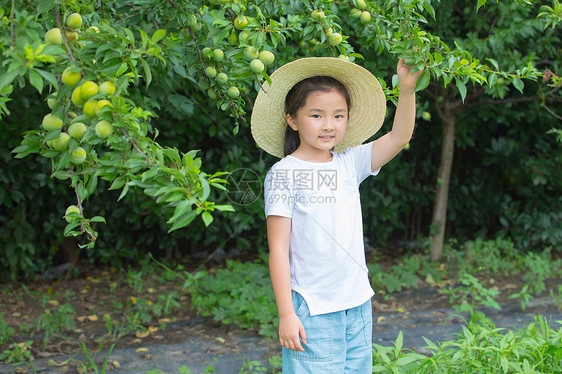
{"x":506,"y":177}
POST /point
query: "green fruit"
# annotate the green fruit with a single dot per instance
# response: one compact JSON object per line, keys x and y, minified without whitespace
{"x":104,"y":129}
{"x":355,"y":13}
{"x":257,"y":66}
{"x":211,"y":72}
{"x":192,"y":20}
{"x":221,"y":78}
{"x":334,"y":39}
{"x":107,"y":88}
{"x":207,"y":52}
{"x":233,"y":92}
{"x":74,"y":21}
{"x":318,"y":15}
{"x":250,"y":53}
{"x":71,"y":209}
{"x":343,"y":57}
{"x":100,"y":104}
{"x":240,"y":22}
{"x":329,"y":31}
{"x":233,"y":38}
{"x":365,"y":16}
{"x":77,"y":130}
{"x":243,"y":36}
{"x":61,"y":143}
{"x":71,"y":36}
{"x":212,"y":94}
{"x":90,"y":108}
{"x":197,"y":27}
{"x":267,"y":57}
{"x":78,"y":156}
{"x":53,"y":36}
{"x":76,"y":98}
{"x":52,"y":122}
{"x":218,"y":55}
{"x":361,"y":4}
{"x":88,"y":89}
{"x":71,"y":78}
{"x":426,"y":116}
{"x":52,"y":103}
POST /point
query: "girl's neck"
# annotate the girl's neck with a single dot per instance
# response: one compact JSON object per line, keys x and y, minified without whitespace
{"x":317,"y":157}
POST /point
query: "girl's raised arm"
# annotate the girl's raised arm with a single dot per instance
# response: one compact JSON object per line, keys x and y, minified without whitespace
{"x":389,"y":145}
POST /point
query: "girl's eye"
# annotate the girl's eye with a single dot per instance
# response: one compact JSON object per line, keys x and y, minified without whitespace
{"x":316,"y":116}
{"x":339,"y":116}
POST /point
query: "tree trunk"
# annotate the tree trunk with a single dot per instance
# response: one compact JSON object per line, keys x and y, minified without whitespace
{"x":447,"y":111}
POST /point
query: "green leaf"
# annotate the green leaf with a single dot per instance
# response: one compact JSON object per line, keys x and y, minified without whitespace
{"x":147,"y":72}
{"x":158,"y":35}
{"x":480,"y":4}
{"x":518,"y":83}
{"x":207,"y":218}
{"x":462,"y":88}
{"x":35,"y":80}
{"x":423,"y":81}
{"x":183,"y":220}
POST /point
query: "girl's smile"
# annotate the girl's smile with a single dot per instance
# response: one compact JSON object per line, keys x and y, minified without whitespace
{"x":321,"y":124}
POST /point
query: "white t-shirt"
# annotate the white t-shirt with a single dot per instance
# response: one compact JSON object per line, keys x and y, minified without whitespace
{"x":326,"y":250}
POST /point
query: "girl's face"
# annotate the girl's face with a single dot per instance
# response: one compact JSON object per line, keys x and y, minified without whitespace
{"x":321,"y":123}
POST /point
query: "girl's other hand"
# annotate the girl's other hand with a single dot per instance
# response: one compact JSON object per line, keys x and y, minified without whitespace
{"x":290,"y":328}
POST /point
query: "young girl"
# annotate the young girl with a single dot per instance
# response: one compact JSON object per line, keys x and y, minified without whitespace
{"x":315,"y":115}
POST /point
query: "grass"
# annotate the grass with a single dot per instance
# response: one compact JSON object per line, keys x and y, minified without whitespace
{"x":140,"y":303}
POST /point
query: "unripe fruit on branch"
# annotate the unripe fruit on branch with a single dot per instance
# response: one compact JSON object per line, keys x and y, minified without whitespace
{"x":361,"y":4}
{"x":250,"y":53}
{"x":77,"y":130}
{"x":71,"y":36}
{"x":70,"y":78}
{"x":233,"y":92}
{"x":61,"y":143}
{"x":221,"y":78}
{"x":365,"y":16}
{"x":71,"y":209}
{"x":318,"y":15}
{"x":218,"y":55}
{"x":53,"y":36}
{"x":101,"y":103}
{"x":90,"y":108}
{"x":74,"y":21}
{"x":243,"y":36}
{"x":104,"y":129}
{"x":266,"y":57}
{"x":210,"y":71}
{"x":240,"y":22}
{"x":107,"y":88}
{"x":88,"y":89}
{"x":76,"y":98}
{"x":51,"y":122}
{"x":78,"y":156}
{"x":257,"y":66}
{"x":334,"y":39}
{"x":355,"y":13}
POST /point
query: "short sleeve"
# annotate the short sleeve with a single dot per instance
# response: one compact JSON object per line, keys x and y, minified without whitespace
{"x":360,"y":157}
{"x":278,"y":193}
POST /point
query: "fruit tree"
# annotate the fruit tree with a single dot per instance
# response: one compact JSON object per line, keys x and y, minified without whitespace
{"x":84,"y":58}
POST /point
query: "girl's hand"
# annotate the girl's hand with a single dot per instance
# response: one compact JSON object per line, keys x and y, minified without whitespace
{"x":406,"y":79}
{"x":290,"y":328}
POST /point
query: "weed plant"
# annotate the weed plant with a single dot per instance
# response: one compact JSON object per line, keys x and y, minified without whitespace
{"x":239,"y":294}
{"x":536,"y":348}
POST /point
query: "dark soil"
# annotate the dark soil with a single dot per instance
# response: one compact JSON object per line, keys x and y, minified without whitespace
{"x":197,"y":341}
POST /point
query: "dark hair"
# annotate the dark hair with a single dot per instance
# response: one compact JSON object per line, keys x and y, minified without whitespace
{"x":296,"y":99}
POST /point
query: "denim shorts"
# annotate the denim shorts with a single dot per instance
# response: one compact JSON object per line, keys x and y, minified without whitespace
{"x":338,"y":342}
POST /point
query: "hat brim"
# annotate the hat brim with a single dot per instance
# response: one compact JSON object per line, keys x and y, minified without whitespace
{"x":368,"y":102}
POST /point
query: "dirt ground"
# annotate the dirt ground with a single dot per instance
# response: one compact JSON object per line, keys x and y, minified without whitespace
{"x":95,"y":292}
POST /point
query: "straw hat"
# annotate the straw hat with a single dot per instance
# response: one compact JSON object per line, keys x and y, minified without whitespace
{"x":368,"y":103}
